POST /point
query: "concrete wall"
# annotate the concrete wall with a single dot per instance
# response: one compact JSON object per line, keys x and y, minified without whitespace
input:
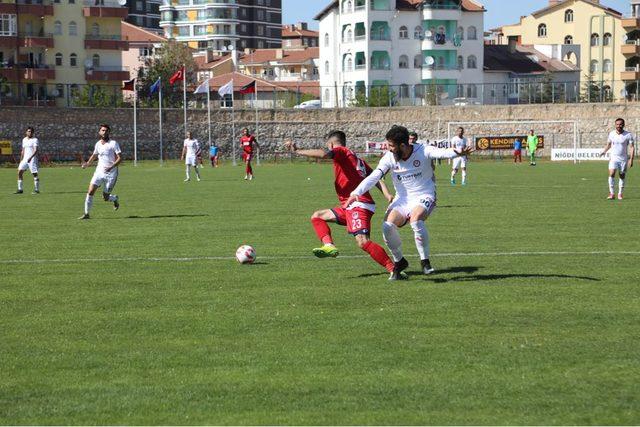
{"x":76,"y":130}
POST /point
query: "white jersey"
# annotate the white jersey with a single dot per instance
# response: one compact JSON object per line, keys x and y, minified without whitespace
{"x":29,"y":146}
{"x":412,"y":178}
{"x":106,"y":153}
{"x":192,"y":146}
{"x":619,"y":145}
{"x":459,"y":143}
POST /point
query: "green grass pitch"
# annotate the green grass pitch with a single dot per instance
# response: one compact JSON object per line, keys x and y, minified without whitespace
{"x":142,"y":316}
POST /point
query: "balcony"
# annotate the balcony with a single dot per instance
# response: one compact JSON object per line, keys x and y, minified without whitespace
{"x":107,"y":74}
{"x":631,"y":23}
{"x":631,"y":48}
{"x":104,"y":9}
{"x":105,"y":42}
{"x":8,"y":41}
{"x":631,"y":73}
{"x":440,"y":71}
{"x":9,"y":73}
{"x":28,"y":40}
{"x":27,"y":73}
{"x":35,"y":7}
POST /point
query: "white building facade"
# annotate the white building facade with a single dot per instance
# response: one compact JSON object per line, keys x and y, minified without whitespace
{"x":411,"y":52}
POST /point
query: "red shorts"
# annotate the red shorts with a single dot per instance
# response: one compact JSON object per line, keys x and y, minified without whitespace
{"x":517,"y":152}
{"x":357,"y":220}
{"x":246,"y":157}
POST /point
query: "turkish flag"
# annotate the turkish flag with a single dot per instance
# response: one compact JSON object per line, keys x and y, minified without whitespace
{"x":177,"y":76}
{"x":129,"y":85}
{"x":250,"y":88}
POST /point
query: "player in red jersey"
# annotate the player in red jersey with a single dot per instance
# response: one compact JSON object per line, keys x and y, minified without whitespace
{"x":248,"y":142}
{"x":349,"y":171}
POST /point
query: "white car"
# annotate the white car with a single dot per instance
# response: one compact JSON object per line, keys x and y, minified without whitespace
{"x":311,"y":105}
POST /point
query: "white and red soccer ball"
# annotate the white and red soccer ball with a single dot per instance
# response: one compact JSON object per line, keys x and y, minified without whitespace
{"x":246,"y":254}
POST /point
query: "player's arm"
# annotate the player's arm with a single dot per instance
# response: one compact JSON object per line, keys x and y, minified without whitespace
{"x":184,"y":150}
{"x":255,"y":142}
{"x":367,"y":184}
{"x":449,"y":153}
{"x":315,"y":153}
{"x":35,"y":153}
{"x":633,"y":153}
{"x":606,"y":148}
{"x":89,"y":161}
{"x":385,"y":190}
{"x":115,"y":164}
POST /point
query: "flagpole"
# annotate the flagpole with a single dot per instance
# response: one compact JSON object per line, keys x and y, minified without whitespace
{"x":257,"y":127}
{"x":184,"y":95}
{"x":233,"y":127}
{"x":135,"y":125}
{"x":209,"y":111}
{"x":160,"y":113}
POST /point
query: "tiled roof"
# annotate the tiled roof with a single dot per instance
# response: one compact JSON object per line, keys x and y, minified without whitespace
{"x":467,"y":6}
{"x":289,"y":56}
{"x":502,"y":58}
{"x":240,"y":80}
{"x":289,"y":32}
{"x":136,"y":34}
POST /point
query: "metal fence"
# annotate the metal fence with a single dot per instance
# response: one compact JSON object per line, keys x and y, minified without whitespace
{"x":346,"y":96}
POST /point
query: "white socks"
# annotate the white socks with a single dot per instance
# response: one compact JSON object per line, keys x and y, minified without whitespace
{"x":113,"y":198}
{"x":421,"y":236}
{"x":88,"y":202}
{"x":464,"y":175}
{"x":197,"y":172}
{"x":195,"y":168}
{"x":612,"y":184}
{"x":19,"y":185}
{"x":453,"y":175}
{"x":392,"y":239}
{"x":188,"y":172}
{"x":620,"y":185}
{"x":36,"y":183}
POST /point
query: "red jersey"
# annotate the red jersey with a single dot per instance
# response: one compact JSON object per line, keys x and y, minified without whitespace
{"x":247,"y":143}
{"x":349,"y":171}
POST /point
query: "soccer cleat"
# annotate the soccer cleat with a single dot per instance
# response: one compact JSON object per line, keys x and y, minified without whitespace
{"x":250,"y":177}
{"x":116,"y":204}
{"x":18,"y":192}
{"x":611,"y":196}
{"x":187,"y":180}
{"x":327,"y":251}
{"x":399,"y":275}
{"x":426,"y":266}
{"x":464,"y":183}
{"x":400,"y":266}
{"x":620,"y":196}
{"x":198,"y":178}
{"x":35,"y":192}
{"x":85,"y":216}
{"x":453,"y":182}
{"x":246,"y":177}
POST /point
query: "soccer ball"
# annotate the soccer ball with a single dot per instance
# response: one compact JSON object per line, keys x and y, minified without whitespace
{"x":246,"y":254}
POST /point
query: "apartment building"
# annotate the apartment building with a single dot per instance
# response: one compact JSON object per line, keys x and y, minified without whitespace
{"x":299,"y":35}
{"x":145,"y":14}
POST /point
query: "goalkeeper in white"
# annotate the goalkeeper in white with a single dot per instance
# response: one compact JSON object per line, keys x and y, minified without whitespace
{"x":414,"y":182}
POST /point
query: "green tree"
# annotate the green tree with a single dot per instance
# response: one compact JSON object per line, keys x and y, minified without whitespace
{"x":590,"y":91}
{"x":379,"y":96}
{"x":98,"y":96}
{"x":168,"y":59}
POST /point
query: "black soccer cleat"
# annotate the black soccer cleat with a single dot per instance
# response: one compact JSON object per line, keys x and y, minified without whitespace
{"x":116,"y":204}
{"x":18,"y":192}
{"x":398,"y":267}
{"x":426,"y":266}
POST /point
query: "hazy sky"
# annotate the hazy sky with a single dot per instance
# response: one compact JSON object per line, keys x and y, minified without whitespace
{"x":499,"y":12}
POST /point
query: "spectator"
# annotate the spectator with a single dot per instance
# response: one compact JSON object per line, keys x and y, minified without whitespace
{"x":517,"y":150}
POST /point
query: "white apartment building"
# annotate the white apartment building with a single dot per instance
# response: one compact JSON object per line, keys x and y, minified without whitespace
{"x":426,"y":51}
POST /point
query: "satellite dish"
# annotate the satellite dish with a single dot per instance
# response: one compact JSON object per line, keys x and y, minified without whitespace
{"x":231,"y":47}
{"x":122,"y":2}
{"x":55,"y":93}
{"x":223,"y":48}
{"x":429,"y":60}
{"x":428,"y":33}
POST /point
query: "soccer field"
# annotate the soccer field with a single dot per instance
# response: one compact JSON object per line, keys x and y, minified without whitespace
{"x":142,"y":316}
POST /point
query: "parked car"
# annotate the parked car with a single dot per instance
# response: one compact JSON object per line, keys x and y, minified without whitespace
{"x":312,"y":105}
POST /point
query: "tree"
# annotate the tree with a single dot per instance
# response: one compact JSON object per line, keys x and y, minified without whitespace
{"x":168,"y":59}
{"x":98,"y":96}
{"x":590,"y":90}
{"x":379,"y":96}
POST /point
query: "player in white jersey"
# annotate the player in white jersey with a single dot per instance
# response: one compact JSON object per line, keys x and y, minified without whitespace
{"x":29,"y":160}
{"x":108,"y":153}
{"x":412,"y":174}
{"x":459,"y":142}
{"x":190,"y":148}
{"x":618,"y":144}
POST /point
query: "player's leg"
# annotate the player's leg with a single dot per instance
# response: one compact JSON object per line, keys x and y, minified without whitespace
{"x":20,"y":181}
{"x":215,"y":161}
{"x":393,"y":220}
{"x":419,"y":215}
{"x":88,"y":201}
{"x":107,"y":194}
{"x":622,"y":174}
{"x":195,"y":168}
{"x":319,"y":220}
{"x":612,"y":180}
{"x":464,"y":175}
{"x":36,"y":180}
{"x":454,"y":171}
{"x":375,"y":251}
{"x":187,"y":171}
{"x":359,"y":225}
{"x":249,"y":169}
{"x":212,"y":158}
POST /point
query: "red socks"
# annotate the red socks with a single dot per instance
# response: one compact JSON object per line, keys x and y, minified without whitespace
{"x":322,"y":230}
{"x":248,"y":170}
{"x":378,"y":254}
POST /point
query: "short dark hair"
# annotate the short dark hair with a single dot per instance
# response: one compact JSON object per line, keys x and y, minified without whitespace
{"x":339,"y":135}
{"x":413,"y":135}
{"x":30,"y":128}
{"x":620,"y":119}
{"x":398,"y":135}
{"x":105,"y":126}
{"x":460,"y":128}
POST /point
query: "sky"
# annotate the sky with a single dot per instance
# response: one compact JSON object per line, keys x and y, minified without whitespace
{"x":499,"y":12}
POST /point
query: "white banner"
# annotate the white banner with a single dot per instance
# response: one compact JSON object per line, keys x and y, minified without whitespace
{"x":569,"y":154}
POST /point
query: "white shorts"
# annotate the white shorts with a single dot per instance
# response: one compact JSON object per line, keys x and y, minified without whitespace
{"x":405,"y":206}
{"x":459,"y":162}
{"x":32,"y":165}
{"x":619,"y":165}
{"x":109,"y":179}
{"x":190,"y":161}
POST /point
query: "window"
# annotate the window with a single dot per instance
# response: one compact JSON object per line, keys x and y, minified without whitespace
{"x":472,"y":33}
{"x":72,"y":1}
{"x":472,"y":62}
{"x":404,"y":61}
{"x":326,"y":67}
{"x":568,"y":15}
{"x":472,"y":91}
{"x":417,"y":61}
{"x":73,"y":28}
{"x":183,"y":31}
{"x":542,"y":30}
{"x":73,"y":60}
{"x":95,"y":61}
{"x":404,"y":32}
{"x":260,"y":15}
{"x":460,"y":33}
{"x":350,"y":64}
{"x":347,"y":6}
{"x":260,"y":44}
{"x":606,"y":39}
{"x":139,"y":6}
{"x":199,"y":30}
{"x":460,"y":62}
{"x":327,"y":95}
{"x":326,"y":39}
{"x":460,"y":91}
{"x":57,"y":28}
{"x":595,"y":39}
{"x":593,"y":68}
{"x":568,"y":40}
{"x":417,"y":33}
{"x":243,"y":28}
{"x":59,"y":91}
{"x":7,"y":25}
{"x":607,"y":66}
{"x":58,"y":59}
{"x":404,"y":90}
{"x":260,"y":30}
{"x":95,"y":29}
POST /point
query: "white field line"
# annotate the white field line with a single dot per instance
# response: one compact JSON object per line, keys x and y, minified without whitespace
{"x":303,"y":257}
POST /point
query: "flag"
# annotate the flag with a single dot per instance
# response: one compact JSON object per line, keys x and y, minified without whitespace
{"x":226,"y":89}
{"x":178,"y":75}
{"x":250,"y":88}
{"x":154,"y":87}
{"x":203,"y":88}
{"x":129,"y":85}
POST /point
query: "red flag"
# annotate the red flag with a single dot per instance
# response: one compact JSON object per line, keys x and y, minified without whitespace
{"x":250,"y":88}
{"x":177,"y":76}
{"x":129,"y":85}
